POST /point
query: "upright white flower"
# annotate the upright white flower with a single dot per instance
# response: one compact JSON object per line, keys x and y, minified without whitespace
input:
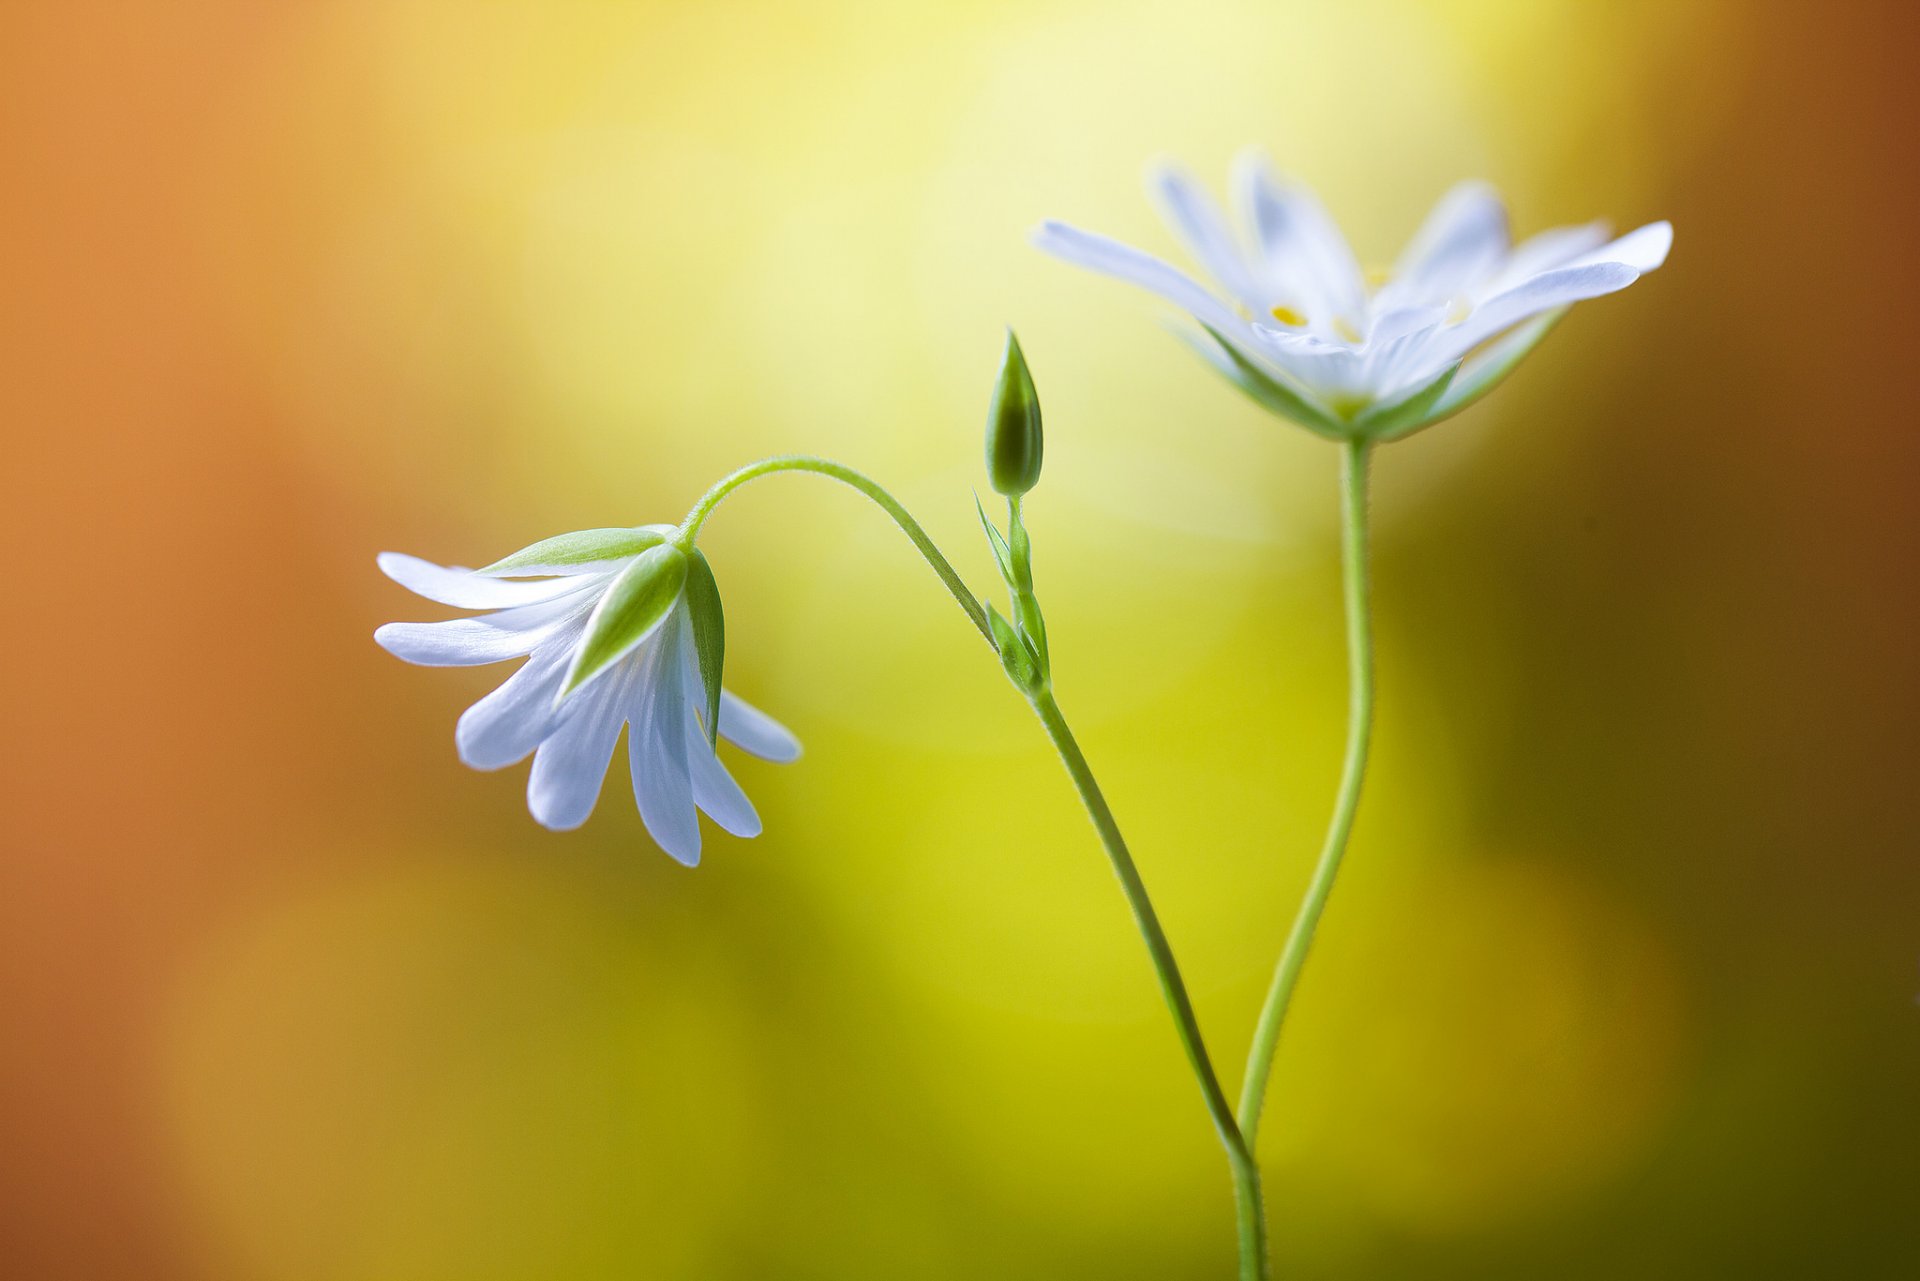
{"x":1305,"y":333}
{"x":619,"y":627}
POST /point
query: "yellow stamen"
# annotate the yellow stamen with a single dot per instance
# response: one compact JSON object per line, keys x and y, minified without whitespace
{"x":1288,"y":316}
{"x":1342,"y":327}
{"x":1377,"y":276}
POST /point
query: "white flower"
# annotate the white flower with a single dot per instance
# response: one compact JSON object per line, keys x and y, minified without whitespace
{"x":591,"y":670}
{"x":1302,"y":331}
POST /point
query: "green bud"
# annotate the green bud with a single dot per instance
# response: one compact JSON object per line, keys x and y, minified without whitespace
{"x":1013,"y":426}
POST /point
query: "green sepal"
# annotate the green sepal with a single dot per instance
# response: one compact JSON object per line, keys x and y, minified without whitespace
{"x":582,"y":547}
{"x":709,"y":635}
{"x":1033,"y":628}
{"x":1480,"y":374}
{"x":1408,"y":413}
{"x":1015,"y":443}
{"x":1021,"y":548}
{"x":1267,"y":391}
{"x":1001,"y":556}
{"x":637,"y":602}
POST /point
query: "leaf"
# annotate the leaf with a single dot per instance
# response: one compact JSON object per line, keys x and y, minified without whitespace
{"x":638,"y":602}
{"x":1001,"y":555}
{"x":1015,"y":656}
{"x":582,"y":547}
{"x":709,"y":635}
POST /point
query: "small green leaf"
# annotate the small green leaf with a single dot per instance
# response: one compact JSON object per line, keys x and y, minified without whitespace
{"x":1015,"y":656}
{"x":1001,"y":556}
{"x":1014,"y":439}
{"x":1266,"y":390}
{"x":582,"y":547}
{"x":709,"y":635}
{"x":1407,"y":414}
{"x":640,"y":598}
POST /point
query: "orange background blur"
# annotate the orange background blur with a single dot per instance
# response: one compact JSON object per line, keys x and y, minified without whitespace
{"x":1620,"y":983}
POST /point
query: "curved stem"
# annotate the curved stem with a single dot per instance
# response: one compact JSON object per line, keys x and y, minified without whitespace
{"x":1250,"y":1210}
{"x":1266,"y":1037}
{"x":690,"y":527}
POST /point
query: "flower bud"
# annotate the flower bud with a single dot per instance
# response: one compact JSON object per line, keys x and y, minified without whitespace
{"x":1013,"y":426}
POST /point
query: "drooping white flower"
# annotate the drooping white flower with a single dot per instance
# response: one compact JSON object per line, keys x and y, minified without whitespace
{"x":1304,"y":332}
{"x":618,"y":627}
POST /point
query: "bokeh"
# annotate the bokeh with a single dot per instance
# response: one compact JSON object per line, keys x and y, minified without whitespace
{"x":1621,"y":981}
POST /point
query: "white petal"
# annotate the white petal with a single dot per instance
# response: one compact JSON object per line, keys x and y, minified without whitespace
{"x":1123,"y":262}
{"x":713,"y":788}
{"x":1459,"y":245}
{"x":715,"y":791}
{"x":571,"y":764}
{"x":1489,"y":366}
{"x":1555,"y":247}
{"x":1197,"y":220}
{"x":657,"y":751}
{"x":1346,"y":376}
{"x":489,"y":638}
{"x":1391,"y":325}
{"x":451,"y":585}
{"x":752,"y":730}
{"x":1306,"y":258}
{"x":1544,"y":292}
{"x":1643,"y":249}
{"x":1330,"y":370}
{"x":503,"y":727}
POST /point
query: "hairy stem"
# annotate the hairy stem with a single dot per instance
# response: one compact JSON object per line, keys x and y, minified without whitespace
{"x":1286,"y":976}
{"x":690,"y":527}
{"x":1250,"y":1210}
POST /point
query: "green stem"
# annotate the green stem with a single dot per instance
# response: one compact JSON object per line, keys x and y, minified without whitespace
{"x":1251,"y":1213}
{"x":690,"y":527}
{"x":1266,"y":1037}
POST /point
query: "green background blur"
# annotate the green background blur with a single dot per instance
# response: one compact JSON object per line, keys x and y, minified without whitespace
{"x":1620,"y":983}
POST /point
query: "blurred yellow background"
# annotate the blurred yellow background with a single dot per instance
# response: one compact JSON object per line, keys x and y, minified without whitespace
{"x":1620,"y":981}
